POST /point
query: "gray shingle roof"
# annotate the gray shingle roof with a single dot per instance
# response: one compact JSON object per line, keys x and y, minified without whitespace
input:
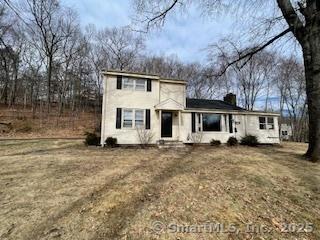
{"x":211,"y":104}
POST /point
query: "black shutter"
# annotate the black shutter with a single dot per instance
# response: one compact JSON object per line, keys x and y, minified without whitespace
{"x":119,"y":82}
{"x":118,"y":120}
{"x":230,"y":124}
{"x":147,"y":118}
{"x":148,"y":85}
{"x":193,"y":122}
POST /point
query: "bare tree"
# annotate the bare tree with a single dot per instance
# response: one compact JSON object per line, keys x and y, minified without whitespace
{"x":47,"y":30}
{"x":121,"y":46}
{"x":291,"y":84}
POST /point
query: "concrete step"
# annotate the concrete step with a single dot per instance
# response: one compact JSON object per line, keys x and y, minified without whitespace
{"x":170,"y":144}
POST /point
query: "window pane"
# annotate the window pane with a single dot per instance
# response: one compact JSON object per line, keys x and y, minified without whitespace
{"x":140,"y":84}
{"x":127,"y":118}
{"x":270,"y":123}
{"x":211,"y":122}
{"x":127,"y":83}
{"x":262,"y":126}
{"x":270,"y":120}
{"x":139,"y":116}
{"x":262,"y":120}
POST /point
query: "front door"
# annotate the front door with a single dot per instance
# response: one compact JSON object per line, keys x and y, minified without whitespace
{"x":166,"y":124}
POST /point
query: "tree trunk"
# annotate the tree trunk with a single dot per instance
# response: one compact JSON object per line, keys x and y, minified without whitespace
{"x":311,"y":53}
{"x":49,"y":83}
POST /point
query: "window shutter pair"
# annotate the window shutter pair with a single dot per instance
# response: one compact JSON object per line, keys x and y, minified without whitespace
{"x":118,"y":118}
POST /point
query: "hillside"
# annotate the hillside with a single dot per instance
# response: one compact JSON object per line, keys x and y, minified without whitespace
{"x":19,"y":122}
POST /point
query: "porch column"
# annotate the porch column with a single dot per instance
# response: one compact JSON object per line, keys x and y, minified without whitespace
{"x":160,"y":112}
{"x":179,"y":125}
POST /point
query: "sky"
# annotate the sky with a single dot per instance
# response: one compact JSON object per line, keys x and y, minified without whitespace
{"x":183,"y":35}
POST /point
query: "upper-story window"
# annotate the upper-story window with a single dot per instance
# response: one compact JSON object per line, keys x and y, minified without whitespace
{"x":134,"y":84}
{"x":266,"y":123}
{"x":128,"y":83}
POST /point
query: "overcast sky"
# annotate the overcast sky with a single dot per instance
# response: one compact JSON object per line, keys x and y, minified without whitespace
{"x":185,"y":35}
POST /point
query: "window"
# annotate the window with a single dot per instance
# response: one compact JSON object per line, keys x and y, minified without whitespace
{"x":134,"y":84}
{"x":270,"y":123}
{"x":262,"y":123}
{"x":266,"y":123}
{"x":211,"y":122}
{"x":128,"y":83}
{"x":284,"y":133}
{"x":127,"y":118}
{"x":133,"y":118}
{"x":139,"y":116}
{"x":140,"y":85}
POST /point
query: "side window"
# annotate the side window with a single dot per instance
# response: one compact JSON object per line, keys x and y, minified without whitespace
{"x":266,"y":123}
{"x":127,"y":118}
{"x":128,"y":83}
{"x":262,"y":123}
{"x":270,"y":123}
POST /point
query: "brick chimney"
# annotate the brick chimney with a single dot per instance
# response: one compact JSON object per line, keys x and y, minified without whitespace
{"x":231,"y":98}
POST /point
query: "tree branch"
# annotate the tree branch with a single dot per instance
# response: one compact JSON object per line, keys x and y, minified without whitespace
{"x":162,"y":14}
{"x":254,"y":51}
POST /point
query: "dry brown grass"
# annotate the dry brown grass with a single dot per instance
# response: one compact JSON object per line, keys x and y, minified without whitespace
{"x":68,"y":125}
{"x":64,"y":190}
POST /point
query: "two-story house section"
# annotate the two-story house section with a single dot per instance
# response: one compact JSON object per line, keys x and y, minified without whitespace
{"x":159,"y":107}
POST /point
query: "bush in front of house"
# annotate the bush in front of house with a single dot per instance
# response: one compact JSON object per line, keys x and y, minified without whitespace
{"x":111,"y":142}
{"x":249,"y":140}
{"x":92,"y":139}
{"x":214,"y":142}
{"x":232,"y":141}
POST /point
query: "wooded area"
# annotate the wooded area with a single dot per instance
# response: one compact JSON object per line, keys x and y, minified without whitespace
{"x":52,"y":65}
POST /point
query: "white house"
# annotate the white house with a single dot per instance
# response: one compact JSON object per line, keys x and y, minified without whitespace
{"x":286,"y":131}
{"x":159,"y":107}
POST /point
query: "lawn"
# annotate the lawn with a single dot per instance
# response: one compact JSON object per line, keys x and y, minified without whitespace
{"x":59,"y":189}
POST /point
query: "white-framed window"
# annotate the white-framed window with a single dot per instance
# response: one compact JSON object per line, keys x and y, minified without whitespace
{"x":128,"y":83}
{"x":140,"y":84}
{"x":266,"y":123}
{"x":134,"y":84}
{"x":133,"y":118}
{"x":127,"y":118}
{"x":139,"y":118}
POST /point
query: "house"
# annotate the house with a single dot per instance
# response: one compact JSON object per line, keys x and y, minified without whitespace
{"x":134,"y":102}
{"x":285,"y":131}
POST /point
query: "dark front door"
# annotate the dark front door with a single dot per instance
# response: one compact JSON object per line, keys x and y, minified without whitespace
{"x":166,"y":124}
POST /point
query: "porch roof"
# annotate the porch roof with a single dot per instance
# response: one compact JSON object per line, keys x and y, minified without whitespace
{"x":169,"y":104}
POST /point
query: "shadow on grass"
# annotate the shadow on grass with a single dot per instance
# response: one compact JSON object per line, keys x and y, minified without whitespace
{"x":117,"y":219}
